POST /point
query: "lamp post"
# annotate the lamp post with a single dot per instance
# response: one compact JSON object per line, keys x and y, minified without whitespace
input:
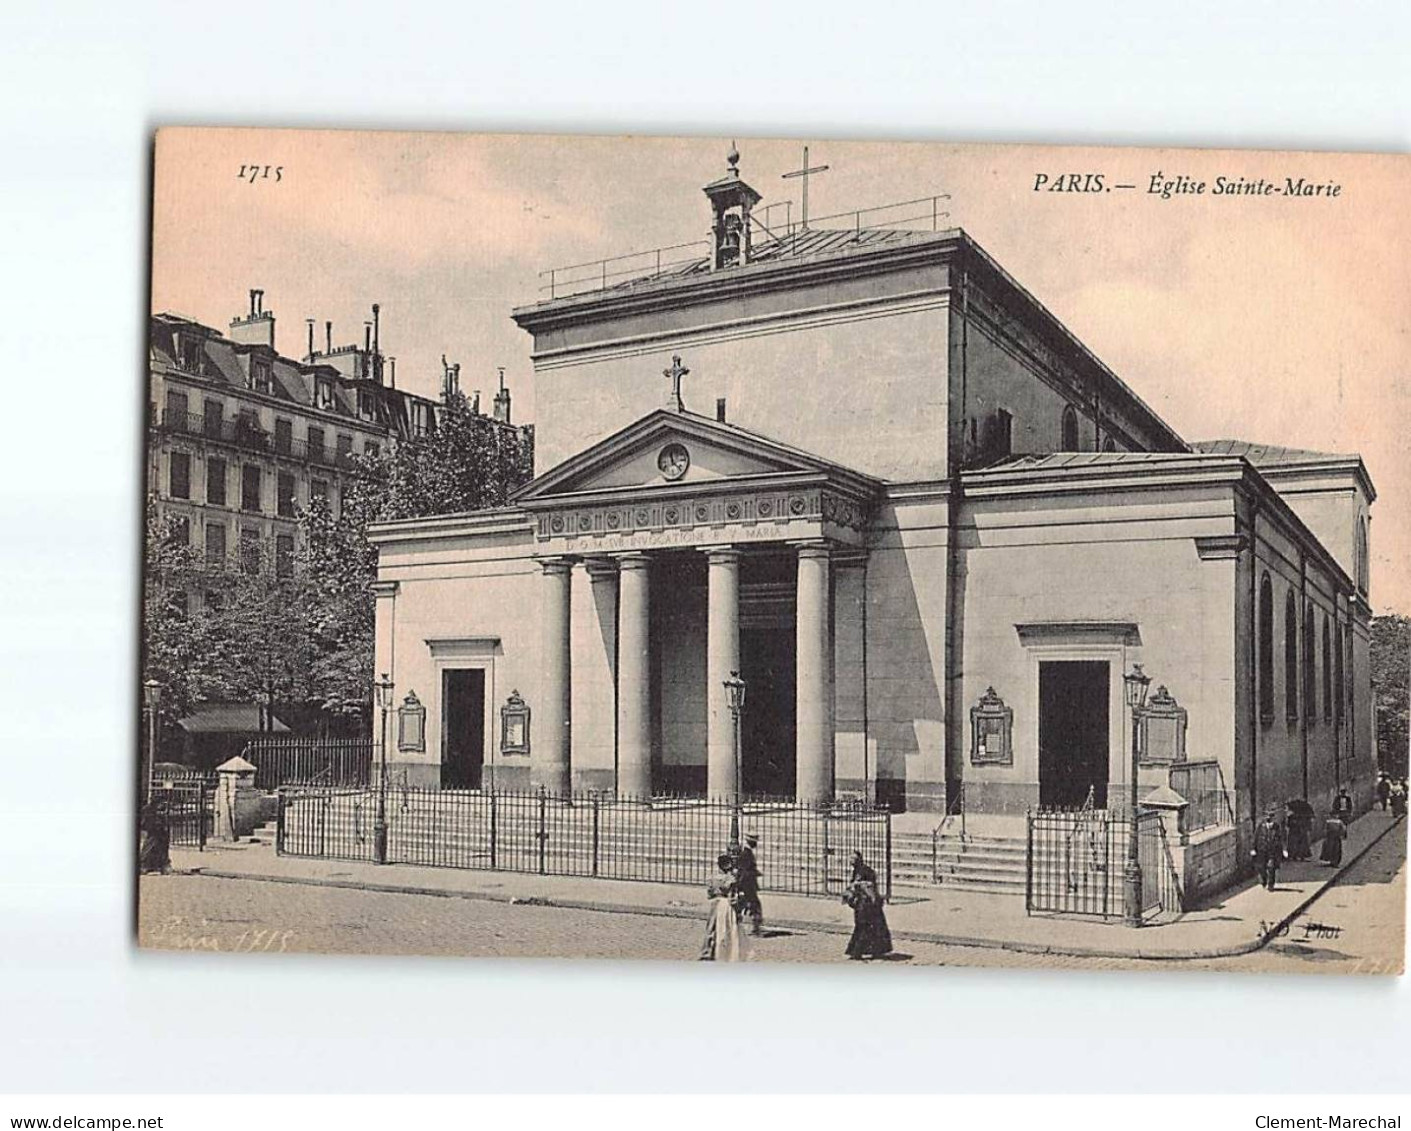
{"x":1136,"y":683}
{"x":735,"y":697}
{"x":383,"y":688}
{"x":152,"y":699}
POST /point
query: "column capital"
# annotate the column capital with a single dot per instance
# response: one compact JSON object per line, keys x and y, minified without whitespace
{"x":722,"y":555}
{"x":385,"y":588}
{"x":814,"y":548}
{"x":556,"y":565}
{"x":600,"y":569}
{"x":633,"y":560}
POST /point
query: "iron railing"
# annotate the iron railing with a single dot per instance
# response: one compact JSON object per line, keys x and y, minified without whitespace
{"x":921,"y":214}
{"x":1076,"y":863}
{"x":186,"y":807}
{"x":803,"y":850}
{"x":952,"y":822}
{"x":242,"y":434}
{"x":288,"y":760}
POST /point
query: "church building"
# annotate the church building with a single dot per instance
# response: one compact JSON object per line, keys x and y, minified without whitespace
{"x":865,"y":469}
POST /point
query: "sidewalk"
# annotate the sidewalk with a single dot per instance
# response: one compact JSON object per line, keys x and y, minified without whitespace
{"x":1240,"y":921}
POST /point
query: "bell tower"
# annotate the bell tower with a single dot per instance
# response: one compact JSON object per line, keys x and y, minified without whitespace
{"x":731,"y":200}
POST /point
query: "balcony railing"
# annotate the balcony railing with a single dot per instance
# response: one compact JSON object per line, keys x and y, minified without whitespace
{"x":241,"y":434}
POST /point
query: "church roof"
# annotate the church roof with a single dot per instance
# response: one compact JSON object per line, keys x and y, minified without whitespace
{"x":1260,"y":454}
{"x":1055,"y":460}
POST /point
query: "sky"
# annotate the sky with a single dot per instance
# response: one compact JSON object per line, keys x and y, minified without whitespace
{"x":1285,"y":320}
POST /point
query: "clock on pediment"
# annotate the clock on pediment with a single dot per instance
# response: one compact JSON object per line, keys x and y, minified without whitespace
{"x":673,"y":461}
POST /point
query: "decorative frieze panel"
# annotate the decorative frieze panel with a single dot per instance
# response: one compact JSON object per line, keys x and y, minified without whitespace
{"x":773,"y":509}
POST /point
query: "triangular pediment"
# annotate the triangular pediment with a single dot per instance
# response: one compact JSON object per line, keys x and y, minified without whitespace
{"x":674,"y":451}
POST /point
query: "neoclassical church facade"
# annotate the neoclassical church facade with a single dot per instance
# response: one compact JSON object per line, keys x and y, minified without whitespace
{"x":871,"y":473}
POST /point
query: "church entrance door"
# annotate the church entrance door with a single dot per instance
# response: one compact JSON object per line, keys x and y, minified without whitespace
{"x":1073,"y":733}
{"x":462,"y":728}
{"x":767,"y":725}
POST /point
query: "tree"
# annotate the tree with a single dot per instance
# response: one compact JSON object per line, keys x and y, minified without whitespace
{"x":1391,"y":669}
{"x":469,"y":462}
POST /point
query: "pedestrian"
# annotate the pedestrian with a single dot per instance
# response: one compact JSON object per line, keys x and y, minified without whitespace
{"x":723,"y":940}
{"x":1342,"y":807}
{"x":1398,"y":799}
{"x":870,"y":936}
{"x":747,"y":879}
{"x":153,"y":840}
{"x":1299,"y":823}
{"x":1269,"y":849}
{"x":1383,"y":790}
{"x":1334,"y":833}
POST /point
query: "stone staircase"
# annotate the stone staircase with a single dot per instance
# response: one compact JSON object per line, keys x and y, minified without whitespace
{"x":973,"y":863}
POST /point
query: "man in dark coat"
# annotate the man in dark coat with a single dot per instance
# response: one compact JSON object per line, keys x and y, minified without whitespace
{"x":1268,"y":850}
{"x":1342,"y":807}
{"x":747,"y":880}
{"x":1383,"y":790}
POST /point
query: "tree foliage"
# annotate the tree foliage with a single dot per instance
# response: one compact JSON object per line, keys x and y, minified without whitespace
{"x":1391,"y":673}
{"x":236,"y":631}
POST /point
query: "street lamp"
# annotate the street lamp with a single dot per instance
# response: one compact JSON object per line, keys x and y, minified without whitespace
{"x":383,"y":688}
{"x":735,"y":697}
{"x":1136,"y":683}
{"x":152,"y":699}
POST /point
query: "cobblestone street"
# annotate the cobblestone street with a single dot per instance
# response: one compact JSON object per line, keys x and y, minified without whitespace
{"x":1356,"y":927}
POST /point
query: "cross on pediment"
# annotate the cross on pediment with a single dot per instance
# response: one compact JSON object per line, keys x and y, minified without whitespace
{"x":674,"y":375}
{"x":805,"y":173}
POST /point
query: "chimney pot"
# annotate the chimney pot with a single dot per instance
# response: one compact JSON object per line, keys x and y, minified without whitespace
{"x":328,"y":337}
{"x":720,"y":409}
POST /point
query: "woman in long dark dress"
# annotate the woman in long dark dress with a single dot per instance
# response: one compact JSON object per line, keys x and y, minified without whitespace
{"x":1334,"y":833}
{"x":870,"y":936}
{"x":1299,"y":823}
{"x":154,"y":840}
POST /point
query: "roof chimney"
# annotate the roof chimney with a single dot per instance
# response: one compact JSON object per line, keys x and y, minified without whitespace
{"x":392,"y":365}
{"x":328,"y":337}
{"x":475,"y":402}
{"x":502,"y":399}
{"x":310,"y":322}
{"x":255,"y":328}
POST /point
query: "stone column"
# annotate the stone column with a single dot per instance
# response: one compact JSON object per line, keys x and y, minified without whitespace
{"x":593,"y":666}
{"x":853,"y":771}
{"x":549,"y":751}
{"x":634,"y":688}
{"x":814,"y":667}
{"x":722,"y":658}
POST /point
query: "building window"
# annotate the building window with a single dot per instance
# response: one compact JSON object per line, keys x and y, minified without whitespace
{"x":1327,"y":671}
{"x":175,"y":418}
{"x":316,"y":444}
{"x":1339,"y":677}
{"x":318,"y":489}
{"x":345,"y":448}
{"x":214,"y":418}
{"x":260,"y":379}
{"x":284,"y":555}
{"x":1108,"y":445}
{"x":191,"y":353}
{"x":179,"y":475}
{"x":179,"y":532}
{"x":1290,"y":657}
{"x":1310,"y":663}
{"x":283,"y":436}
{"x":250,"y":487}
{"x":286,"y":495}
{"x":371,"y":450}
{"x":215,"y":481}
{"x":215,"y":545}
{"x":367,"y":407}
{"x":250,"y":549}
{"x":999,"y":435}
{"x":1070,"y":429}
{"x":323,"y":393}
{"x":1360,"y":562}
{"x":1266,"y":650}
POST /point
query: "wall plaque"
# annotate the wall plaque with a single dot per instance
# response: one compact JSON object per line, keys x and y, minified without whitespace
{"x":411,"y":724}
{"x":991,"y":731}
{"x":514,"y":725}
{"x":1161,"y":730}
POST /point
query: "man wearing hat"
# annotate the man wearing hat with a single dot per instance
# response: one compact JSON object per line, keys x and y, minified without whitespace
{"x":1269,"y":849}
{"x":747,"y":881}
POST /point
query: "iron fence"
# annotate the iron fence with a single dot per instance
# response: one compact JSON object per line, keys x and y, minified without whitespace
{"x":186,"y":808}
{"x":801,"y":850}
{"x":1077,"y":859}
{"x":289,"y":760}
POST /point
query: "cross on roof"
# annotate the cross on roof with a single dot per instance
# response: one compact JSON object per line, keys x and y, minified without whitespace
{"x":674,"y":375}
{"x":804,"y":172}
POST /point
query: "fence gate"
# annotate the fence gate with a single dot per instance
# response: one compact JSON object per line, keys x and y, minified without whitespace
{"x":187,"y":808}
{"x":1077,"y":860}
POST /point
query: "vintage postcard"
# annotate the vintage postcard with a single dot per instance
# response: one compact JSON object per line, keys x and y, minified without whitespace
{"x":737,"y":549}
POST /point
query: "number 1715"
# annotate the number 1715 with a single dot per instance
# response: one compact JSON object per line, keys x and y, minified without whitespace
{"x":253,"y":173}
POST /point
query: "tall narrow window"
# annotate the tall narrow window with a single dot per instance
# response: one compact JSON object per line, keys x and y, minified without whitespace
{"x":1327,"y":672}
{"x":1266,"y":650}
{"x":1290,"y":657}
{"x":250,"y":487}
{"x":176,"y":411}
{"x":215,"y":545}
{"x":214,"y":418}
{"x":215,"y":481}
{"x":283,"y":436}
{"x":250,"y":549}
{"x":1310,"y":664}
{"x":1070,"y":429}
{"x":179,"y":479}
{"x":1339,"y":677}
{"x":286,"y":494}
{"x":316,"y":445}
{"x":1361,"y":565}
{"x":284,"y":555}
